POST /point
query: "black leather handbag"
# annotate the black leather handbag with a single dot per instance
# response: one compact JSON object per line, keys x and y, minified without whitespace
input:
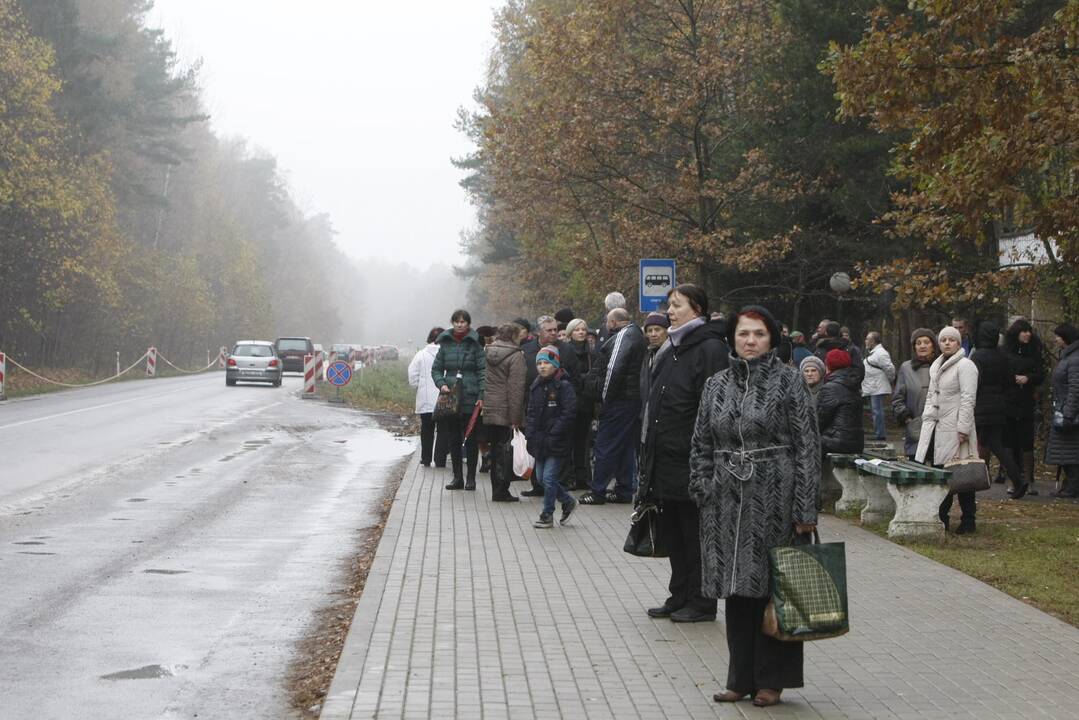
{"x":643,"y":538}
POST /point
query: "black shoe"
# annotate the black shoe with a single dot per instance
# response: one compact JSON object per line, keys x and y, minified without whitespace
{"x":455,"y":485}
{"x":590,"y":498}
{"x":1032,"y":492}
{"x":546,"y":520}
{"x":505,"y":498}
{"x":567,"y":510}
{"x":440,"y":465}
{"x":1017,"y":494}
{"x":966,"y":527}
{"x":470,"y":484}
{"x":532,"y":493}
{"x":661,"y":612}
{"x":1063,"y":494}
{"x":946,"y":520}
{"x":689,"y":615}
{"x":425,"y":464}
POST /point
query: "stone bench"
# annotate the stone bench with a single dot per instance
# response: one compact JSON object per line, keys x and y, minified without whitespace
{"x":845,"y":471}
{"x":906,"y":493}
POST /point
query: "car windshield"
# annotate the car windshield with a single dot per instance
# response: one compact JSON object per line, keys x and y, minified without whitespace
{"x":253,"y":351}
{"x":292,"y":344}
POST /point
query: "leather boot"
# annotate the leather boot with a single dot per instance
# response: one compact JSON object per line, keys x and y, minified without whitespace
{"x":1028,"y":471}
{"x":457,"y":484}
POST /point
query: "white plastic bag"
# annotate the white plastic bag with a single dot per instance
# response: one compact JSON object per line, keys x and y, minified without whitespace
{"x":522,"y":461}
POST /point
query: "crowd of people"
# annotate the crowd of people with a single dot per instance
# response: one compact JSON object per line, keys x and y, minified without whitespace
{"x":726,"y":424}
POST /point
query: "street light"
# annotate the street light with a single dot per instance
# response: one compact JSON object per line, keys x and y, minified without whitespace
{"x":839,"y":283}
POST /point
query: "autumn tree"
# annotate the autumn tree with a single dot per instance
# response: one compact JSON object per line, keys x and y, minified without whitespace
{"x":986,"y":93}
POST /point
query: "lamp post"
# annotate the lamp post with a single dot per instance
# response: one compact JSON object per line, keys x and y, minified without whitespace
{"x":839,"y":283}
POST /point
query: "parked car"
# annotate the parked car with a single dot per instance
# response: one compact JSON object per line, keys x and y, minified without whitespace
{"x":253,"y":361}
{"x":291,"y":351}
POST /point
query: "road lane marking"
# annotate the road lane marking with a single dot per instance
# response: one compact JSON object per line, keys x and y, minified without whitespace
{"x":94,"y":407}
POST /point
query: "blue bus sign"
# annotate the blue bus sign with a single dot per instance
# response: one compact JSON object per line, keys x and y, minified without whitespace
{"x":657,"y":279}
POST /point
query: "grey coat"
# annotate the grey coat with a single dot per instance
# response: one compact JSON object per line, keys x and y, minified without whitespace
{"x":1063,"y":446}
{"x":908,"y":402}
{"x":754,"y":471}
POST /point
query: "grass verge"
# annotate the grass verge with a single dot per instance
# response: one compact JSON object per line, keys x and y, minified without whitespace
{"x":1028,"y":550}
{"x":382,"y":391}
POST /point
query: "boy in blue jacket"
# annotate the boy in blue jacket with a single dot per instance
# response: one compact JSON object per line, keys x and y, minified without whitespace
{"x":552,"y":409}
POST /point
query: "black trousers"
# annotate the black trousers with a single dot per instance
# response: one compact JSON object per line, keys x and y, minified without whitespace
{"x":991,"y":437}
{"x":1018,"y":435}
{"x":501,"y":459}
{"x":454,"y":428}
{"x":582,"y":446}
{"x":757,"y":660}
{"x":967,"y":503}
{"x":427,"y":438}
{"x":679,"y":529}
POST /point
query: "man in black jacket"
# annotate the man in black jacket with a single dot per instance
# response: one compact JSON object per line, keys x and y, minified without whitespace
{"x":834,"y":340}
{"x":994,"y":377}
{"x":615,"y":382}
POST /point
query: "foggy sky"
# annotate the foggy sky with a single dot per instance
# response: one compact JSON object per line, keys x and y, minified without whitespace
{"x":357,"y":101}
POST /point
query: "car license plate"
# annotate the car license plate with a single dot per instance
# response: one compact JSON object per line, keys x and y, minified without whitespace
{"x":250,"y":372}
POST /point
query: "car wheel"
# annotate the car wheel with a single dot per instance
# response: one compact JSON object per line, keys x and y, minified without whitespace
{"x":277,"y":383}
{"x":230,"y":383}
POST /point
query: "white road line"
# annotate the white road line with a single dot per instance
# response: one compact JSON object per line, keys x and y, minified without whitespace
{"x":93,"y":407}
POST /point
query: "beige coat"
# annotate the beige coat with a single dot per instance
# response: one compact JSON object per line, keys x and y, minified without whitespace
{"x":949,"y":410}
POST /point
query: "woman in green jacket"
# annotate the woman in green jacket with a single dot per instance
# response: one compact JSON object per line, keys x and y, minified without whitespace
{"x":460,"y":362}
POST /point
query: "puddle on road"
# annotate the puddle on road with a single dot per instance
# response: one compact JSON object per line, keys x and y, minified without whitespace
{"x":159,"y":571}
{"x":33,"y":552}
{"x":28,"y":542}
{"x":146,"y":672}
{"x":123,"y":518}
{"x":137,"y":499}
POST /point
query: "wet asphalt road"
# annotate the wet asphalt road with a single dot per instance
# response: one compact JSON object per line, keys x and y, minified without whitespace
{"x":164,"y":544}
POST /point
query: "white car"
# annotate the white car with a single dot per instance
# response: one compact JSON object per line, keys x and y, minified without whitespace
{"x":253,"y":361}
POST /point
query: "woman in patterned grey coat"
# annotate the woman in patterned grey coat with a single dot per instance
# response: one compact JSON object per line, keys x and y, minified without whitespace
{"x":754,"y":474}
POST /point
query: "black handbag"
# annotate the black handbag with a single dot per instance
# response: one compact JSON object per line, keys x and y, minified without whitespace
{"x":969,"y":474}
{"x":448,"y":404}
{"x":643,"y":538}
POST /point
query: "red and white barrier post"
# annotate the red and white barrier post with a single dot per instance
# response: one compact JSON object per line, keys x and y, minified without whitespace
{"x":319,"y":370}
{"x":3,"y":375}
{"x":151,"y":362}
{"x":221,"y":357}
{"x":308,"y":377}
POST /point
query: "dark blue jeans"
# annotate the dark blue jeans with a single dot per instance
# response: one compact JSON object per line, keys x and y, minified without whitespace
{"x":549,"y":475}
{"x":876,"y":403}
{"x":615,"y":448}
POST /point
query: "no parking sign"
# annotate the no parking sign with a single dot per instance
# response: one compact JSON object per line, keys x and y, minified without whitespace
{"x":338,"y":374}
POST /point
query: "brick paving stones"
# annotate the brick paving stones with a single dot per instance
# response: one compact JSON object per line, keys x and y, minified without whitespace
{"x":470,"y":612}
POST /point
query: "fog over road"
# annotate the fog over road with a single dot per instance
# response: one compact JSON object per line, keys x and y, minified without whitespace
{"x":164,"y":543}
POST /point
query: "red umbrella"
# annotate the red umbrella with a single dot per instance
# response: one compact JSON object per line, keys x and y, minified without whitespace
{"x":472,"y":420}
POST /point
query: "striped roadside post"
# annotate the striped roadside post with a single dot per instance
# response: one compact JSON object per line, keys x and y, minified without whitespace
{"x":151,"y":362}
{"x":319,"y":370}
{"x":308,"y":377}
{"x":3,"y":375}
{"x":221,"y":356}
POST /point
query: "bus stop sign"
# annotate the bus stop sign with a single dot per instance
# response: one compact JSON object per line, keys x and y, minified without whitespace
{"x":657,"y":279}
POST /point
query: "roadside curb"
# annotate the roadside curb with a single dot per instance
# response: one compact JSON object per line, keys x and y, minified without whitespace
{"x":350,"y":665}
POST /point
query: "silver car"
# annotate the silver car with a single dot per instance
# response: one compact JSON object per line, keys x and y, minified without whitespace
{"x":253,"y":361}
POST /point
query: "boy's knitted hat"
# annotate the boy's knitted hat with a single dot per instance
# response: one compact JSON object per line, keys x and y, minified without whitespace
{"x":549,"y":353}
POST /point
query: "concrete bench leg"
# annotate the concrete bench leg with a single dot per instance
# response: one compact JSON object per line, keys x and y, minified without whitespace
{"x":853,"y":496}
{"x":917,"y":509}
{"x":879,"y":506}
{"x":830,"y":489}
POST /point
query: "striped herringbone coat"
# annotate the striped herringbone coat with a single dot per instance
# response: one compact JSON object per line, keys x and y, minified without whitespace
{"x":750,"y":503}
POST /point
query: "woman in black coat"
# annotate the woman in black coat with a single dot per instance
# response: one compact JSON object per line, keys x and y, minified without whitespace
{"x":578,"y":342}
{"x":671,"y":391}
{"x":839,"y":406}
{"x":1063,"y":447}
{"x":1026,"y":366}
{"x":994,"y":377}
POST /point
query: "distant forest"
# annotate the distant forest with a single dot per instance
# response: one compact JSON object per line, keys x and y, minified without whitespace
{"x":124,"y":221}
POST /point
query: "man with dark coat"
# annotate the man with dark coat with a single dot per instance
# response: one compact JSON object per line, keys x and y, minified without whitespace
{"x":994,"y":377}
{"x":615,"y":382}
{"x":834,"y":340}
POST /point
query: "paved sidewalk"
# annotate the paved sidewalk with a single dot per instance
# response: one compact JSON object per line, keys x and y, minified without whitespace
{"x":470,"y":612}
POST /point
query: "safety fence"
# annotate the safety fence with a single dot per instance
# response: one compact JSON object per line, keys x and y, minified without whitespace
{"x":151,"y":356}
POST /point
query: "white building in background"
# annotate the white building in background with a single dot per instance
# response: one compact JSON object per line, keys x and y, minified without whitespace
{"x":1024,"y":249}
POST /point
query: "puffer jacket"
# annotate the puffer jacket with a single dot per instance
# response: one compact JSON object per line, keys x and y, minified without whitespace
{"x":504,"y":386}
{"x":672,"y":392}
{"x":839,"y":412}
{"x":879,"y":372}
{"x":419,"y":377}
{"x":755,"y":469}
{"x":908,"y":402}
{"x":949,"y":410}
{"x":1063,"y":446}
{"x":460,"y":362}
{"x":552,"y":408}
{"x":994,"y":377}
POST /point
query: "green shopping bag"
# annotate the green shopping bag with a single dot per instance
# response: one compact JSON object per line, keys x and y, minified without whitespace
{"x":809,"y":592}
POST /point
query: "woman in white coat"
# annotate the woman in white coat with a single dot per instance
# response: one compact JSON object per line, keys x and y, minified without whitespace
{"x":948,"y":419}
{"x":419,"y":377}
